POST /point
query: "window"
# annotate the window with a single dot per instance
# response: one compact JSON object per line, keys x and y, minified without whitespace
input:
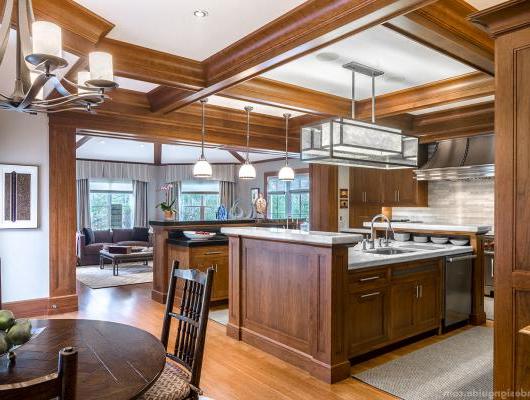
{"x":111,"y":204}
{"x":288,"y":198}
{"x":199,"y":200}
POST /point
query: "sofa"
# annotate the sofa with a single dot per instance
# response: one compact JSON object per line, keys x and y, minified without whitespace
{"x":89,"y":242}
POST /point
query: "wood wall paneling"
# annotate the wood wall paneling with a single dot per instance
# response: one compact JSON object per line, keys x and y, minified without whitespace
{"x":62,"y":214}
{"x":324,"y":197}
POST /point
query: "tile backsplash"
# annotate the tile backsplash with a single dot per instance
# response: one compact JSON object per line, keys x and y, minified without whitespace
{"x":454,"y":202}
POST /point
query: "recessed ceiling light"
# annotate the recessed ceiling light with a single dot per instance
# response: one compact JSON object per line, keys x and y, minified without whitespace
{"x":327,"y":56}
{"x":200,"y":13}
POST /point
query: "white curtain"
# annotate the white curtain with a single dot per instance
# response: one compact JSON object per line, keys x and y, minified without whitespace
{"x":226,"y":193}
{"x":140,"y":203}
{"x":83,"y":204}
{"x":184,"y":172}
{"x":112,"y":170}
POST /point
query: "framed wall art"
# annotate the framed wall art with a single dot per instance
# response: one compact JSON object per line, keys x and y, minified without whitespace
{"x":254,"y":194}
{"x":19,"y":196}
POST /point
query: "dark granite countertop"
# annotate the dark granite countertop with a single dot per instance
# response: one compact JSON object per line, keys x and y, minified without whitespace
{"x":215,"y":241}
{"x":192,"y":223}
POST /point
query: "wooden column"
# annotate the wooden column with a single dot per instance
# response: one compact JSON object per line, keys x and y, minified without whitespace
{"x":324,"y":197}
{"x":63,"y":297}
{"x":509,"y":24}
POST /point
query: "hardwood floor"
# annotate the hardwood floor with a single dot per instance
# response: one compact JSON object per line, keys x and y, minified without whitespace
{"x":232,"y":369}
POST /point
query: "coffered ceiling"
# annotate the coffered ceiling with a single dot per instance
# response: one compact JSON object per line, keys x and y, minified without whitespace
{"x":170,"y":26}
{"x":405,"y":63}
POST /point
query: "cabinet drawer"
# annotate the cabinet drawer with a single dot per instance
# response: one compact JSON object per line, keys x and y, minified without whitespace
{"x":213,"y":252}
{"x":358,"y":281}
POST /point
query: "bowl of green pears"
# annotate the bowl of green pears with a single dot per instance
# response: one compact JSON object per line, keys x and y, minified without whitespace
{"x":13,"y":332}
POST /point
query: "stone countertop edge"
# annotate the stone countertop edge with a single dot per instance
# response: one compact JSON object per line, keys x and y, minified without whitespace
{"x":312,"y":237}
{"x":371,"y":260}
{"x":433,"y":227}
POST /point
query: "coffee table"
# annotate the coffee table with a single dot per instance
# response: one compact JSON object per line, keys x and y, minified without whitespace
{"x":116,"y":259}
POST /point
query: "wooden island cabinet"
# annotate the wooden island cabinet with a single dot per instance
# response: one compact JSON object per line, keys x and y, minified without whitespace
{"x":293,"y":295}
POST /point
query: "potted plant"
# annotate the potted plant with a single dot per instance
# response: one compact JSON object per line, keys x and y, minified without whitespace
{"x":167,"y":205}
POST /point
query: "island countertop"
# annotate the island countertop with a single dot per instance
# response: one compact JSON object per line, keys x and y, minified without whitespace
{"x":293,"y":235}
{"x":358,"y":259}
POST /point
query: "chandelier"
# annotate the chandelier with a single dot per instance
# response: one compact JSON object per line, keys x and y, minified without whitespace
{"x":345,"y":141}
{"x":39,"y":54}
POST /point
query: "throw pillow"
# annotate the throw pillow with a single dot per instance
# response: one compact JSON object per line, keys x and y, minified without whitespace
{"x":140,"y":234}
{"x":89,"y":236}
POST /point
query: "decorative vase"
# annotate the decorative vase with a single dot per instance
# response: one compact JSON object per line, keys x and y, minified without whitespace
{"x":169,"y":215}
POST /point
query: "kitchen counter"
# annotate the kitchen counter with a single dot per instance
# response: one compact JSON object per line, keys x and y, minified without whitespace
{"x":293,"y":235}
{"x":215,"y":241}
{"x":476,"y":229}
{"x":358,"y":259}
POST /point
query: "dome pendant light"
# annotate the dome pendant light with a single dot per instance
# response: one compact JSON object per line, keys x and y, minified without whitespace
{"x":286,"y":174}
{"x":202,"y":168}
{"x":247,"y":170}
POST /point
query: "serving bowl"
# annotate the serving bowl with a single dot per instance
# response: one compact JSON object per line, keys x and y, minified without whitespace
{"x":198,"y":235}
{"x":420,"y":238}
{"x":439,"y":240}
{"x":459,"y":242}
{"x":401,"y":236}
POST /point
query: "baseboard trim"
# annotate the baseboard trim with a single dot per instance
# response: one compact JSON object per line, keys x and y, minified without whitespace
{"x":43,"y":307}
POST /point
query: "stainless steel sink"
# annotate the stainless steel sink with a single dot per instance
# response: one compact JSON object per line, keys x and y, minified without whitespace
{"x":389,"y":251}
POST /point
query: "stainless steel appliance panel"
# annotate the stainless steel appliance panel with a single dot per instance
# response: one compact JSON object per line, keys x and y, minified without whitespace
{"x":457,"y":288}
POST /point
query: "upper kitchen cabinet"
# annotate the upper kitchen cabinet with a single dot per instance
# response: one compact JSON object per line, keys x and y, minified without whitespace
{"x":365,"y":186}
{"x":402,"y":189}
{"x":387,"y":188}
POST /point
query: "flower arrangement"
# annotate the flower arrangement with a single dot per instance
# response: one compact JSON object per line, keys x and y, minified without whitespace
{"x":167,"y":205}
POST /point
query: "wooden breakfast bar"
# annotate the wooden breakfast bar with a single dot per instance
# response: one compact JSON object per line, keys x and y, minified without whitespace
{"x":286,"y":296}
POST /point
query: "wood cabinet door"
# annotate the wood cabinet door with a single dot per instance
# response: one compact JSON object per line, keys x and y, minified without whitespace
{"x":390,"y":187}
{"x":367,"y":322}
{"x":217,"y":257}
{"x":220,"y":283}
{"x":406,"y":187}
{"x":427,"y":311}
{"x":403,"y":302}
{"x":366,"y":186}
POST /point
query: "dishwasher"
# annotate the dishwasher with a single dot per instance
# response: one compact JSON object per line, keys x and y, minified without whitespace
{"x":458,"y":271}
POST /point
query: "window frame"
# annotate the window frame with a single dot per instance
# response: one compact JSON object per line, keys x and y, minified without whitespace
{"x":297,"y":171}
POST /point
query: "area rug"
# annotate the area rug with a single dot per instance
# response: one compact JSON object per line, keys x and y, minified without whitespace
{"x":130,"y":274}
{"x":219,"y":315}
{"x":460,"y":366}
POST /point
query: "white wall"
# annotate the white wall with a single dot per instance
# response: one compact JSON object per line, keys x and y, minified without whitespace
{"x":25,"y":252}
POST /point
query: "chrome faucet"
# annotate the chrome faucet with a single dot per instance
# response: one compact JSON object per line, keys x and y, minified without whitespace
{"x":371,"y":242}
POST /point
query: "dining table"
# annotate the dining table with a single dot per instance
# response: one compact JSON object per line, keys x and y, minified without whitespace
{"x":115,"y":361}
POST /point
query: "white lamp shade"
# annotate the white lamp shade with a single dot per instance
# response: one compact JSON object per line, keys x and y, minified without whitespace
{"x":202,"y":169}
{"x":47,"y":39}
{"x":286,"y":174}
{"x":101,"y":66}
{"x":32,"y":76}
{"x":82,"y":77}
{"x":247,"y":171}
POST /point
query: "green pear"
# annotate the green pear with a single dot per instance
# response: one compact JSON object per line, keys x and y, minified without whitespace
{"x":19,"y":333}
{"x":7,"y":319}
{"x":4,"y":344}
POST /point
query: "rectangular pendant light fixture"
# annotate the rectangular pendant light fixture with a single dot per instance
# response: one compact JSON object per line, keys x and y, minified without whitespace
{"x":345,"y":141}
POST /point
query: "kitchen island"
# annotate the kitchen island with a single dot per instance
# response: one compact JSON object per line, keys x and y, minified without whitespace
{"x":314,"y":299}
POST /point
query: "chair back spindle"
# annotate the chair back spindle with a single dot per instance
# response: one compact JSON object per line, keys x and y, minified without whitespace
{"x":192,"y":318}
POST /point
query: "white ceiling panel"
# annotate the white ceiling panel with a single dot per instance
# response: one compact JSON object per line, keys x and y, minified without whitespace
{"x":100,"y":148}
{"x":132,"y":84}
{"x":454,"y":105}
{"x":171,"y":27}
{"x":406,"y":64}
{"x":257,"y":108}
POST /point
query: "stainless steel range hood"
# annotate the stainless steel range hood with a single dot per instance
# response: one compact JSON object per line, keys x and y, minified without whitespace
{"x":456,"y":159}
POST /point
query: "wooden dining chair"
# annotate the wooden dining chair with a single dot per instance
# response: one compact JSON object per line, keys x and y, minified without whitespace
{"x":182,"y":373}
{"x":59,"y":385}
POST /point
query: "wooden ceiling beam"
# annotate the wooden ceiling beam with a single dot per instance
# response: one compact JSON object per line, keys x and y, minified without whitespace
{"x":443,"y":26}
{"x":307,"y":28}
{"x":464,"y":87}
{"x":476,"y":119}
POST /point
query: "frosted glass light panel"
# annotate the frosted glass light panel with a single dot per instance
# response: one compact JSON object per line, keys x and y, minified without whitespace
{"x":47,"y":39}
{"x":101,"y":68}
{"x":343,"y":141}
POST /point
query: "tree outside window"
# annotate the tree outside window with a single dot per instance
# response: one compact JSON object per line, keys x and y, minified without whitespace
{"x":288,"y":199}
{"x":199,"y":200}
{"x":111,"y":204}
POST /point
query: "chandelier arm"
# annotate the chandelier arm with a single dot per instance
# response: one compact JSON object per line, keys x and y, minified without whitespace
{"x":31,"y":15}
{"x":4,"y":29}
{"x":24,"y":37}
{"x":62,"y":101}
{"x":59,"y":87}
{"x":47,"y":111}
{"x":37,"y":85}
